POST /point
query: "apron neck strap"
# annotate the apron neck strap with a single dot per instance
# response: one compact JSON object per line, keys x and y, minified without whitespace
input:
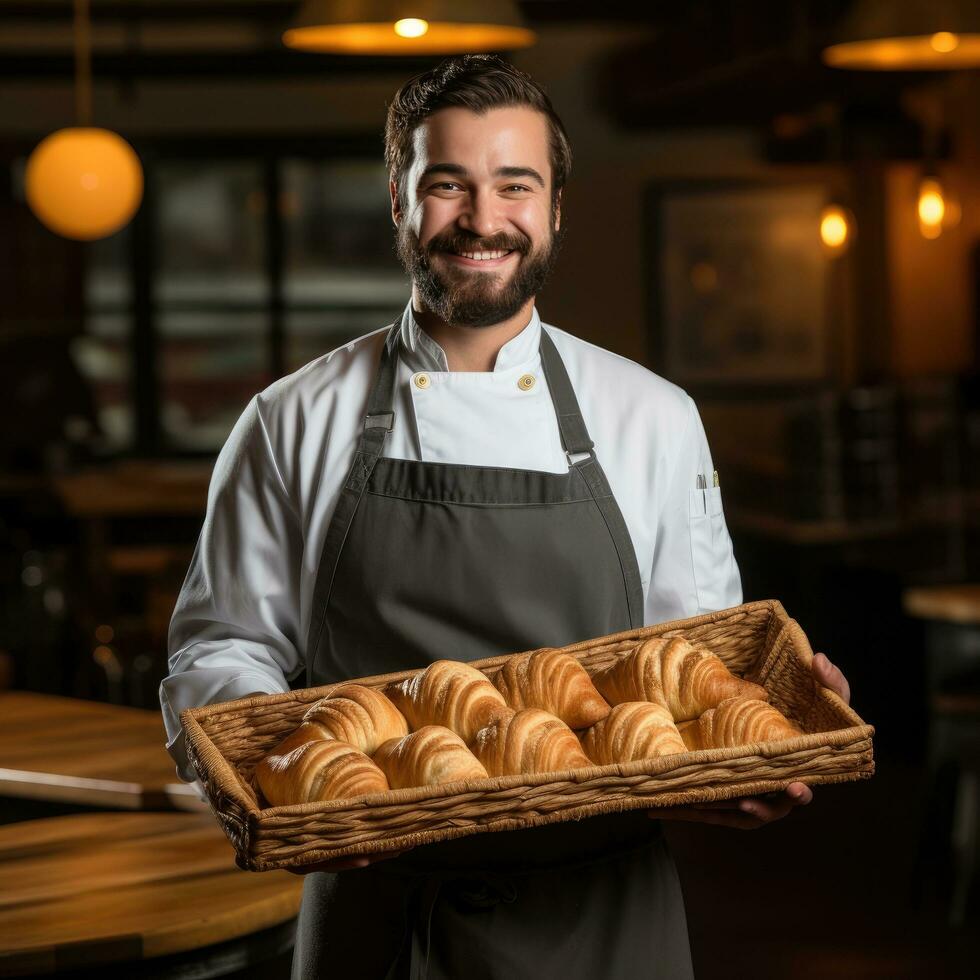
{"x":571,"y":425}
{"x":380,"y":417}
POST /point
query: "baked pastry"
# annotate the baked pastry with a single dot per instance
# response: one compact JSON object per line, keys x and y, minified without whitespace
{"x":555,"y":682}
{"x":324,"y":769}
{"x":351,"y":713}
{"x":526,"y":742}
{"x":448,"y":693}
{"x":633,"y":730}
{"x":737,"y":721}
{"x":670,"y":671}
{"x":428,"y":757}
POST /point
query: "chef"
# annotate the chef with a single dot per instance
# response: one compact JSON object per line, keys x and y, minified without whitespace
{"x":466,"y":482}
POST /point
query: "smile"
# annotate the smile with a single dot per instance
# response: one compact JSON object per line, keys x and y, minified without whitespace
{"x":483,"y":259}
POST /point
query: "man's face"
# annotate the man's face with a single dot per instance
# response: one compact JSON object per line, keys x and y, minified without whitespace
{"x":476,"y":228}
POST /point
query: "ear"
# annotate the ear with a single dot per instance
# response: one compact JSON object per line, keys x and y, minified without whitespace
{"x":557,"y":209}
{"x":396,"y":208}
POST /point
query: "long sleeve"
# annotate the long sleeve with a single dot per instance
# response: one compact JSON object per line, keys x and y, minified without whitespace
{"x":694,"y":569}
{"x":235,"y":629}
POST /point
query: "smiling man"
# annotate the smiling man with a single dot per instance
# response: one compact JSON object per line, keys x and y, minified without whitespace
{"x":469,"y":481}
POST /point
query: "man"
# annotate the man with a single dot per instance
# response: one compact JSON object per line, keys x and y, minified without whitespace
{"x":469,"y":482}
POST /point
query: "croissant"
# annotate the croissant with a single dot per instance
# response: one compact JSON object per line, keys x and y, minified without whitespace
{"x":351,"y":713}
{"x":671,"y":672}
{"x":319,"y":770}
{"x":633,"y":730}
{"x":448,"y":693}
{"x":427,"y":757}
{"x":528,"y":741}
{"x":737,"y":721}
{"x":555,"y":682}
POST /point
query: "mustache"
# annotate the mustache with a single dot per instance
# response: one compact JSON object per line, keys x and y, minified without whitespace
{"x":469,"y":243}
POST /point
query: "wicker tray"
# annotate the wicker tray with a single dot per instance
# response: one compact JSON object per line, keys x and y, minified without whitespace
{"x":757,"y":641}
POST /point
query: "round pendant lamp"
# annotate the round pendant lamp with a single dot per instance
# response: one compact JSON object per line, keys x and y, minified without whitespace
{"x":83,"y":182}
{"x":407,"y":27}
{"x":911,"y":35}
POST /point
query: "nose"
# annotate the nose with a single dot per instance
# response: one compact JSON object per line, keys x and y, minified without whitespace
{"x":480,"y":214}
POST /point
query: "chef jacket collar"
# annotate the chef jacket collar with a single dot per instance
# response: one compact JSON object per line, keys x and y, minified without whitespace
{"x":421,"y":353}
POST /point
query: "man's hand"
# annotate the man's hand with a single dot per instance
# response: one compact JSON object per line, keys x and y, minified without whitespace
{"x":743,"y":813}
{"x":830,"y":676}
{"x":343,"y":864}
{"x":750,"y":812}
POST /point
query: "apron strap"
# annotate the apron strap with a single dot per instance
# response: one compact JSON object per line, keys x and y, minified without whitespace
{"x":574,"y":435}
{"x":575,"y":440}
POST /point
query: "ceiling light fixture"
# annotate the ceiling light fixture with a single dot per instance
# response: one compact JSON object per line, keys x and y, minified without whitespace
{"x":407,"y":27}
{"x":83,"y":182}
{"x":914,"y":35}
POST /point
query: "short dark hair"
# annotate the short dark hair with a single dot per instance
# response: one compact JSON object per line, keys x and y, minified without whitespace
{"x":477,"y":82}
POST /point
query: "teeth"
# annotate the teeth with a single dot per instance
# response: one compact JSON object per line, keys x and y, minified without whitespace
{"x":482,"y":256}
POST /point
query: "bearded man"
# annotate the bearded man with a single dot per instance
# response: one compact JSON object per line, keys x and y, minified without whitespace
{"x":466,"y":482}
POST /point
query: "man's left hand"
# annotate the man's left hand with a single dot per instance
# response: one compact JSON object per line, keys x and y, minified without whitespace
{"x":750,"y":812}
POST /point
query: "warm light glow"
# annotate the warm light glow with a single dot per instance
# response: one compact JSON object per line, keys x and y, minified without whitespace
{"x":104,"y":633}
{"x":411,"y":27}
{"x":84,"y":183}
{"x":932,"y":206}
{"x":924,"y":52}
{"x":954,"y":212}
{"x":704,"y":277}
{"x":944,"y":42}
{"x":836,"y":227}
{"x":103,"y":655}
{"x":439,"y":38}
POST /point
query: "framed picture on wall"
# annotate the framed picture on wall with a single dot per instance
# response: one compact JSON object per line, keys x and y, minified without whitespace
{"x":740,"y":283}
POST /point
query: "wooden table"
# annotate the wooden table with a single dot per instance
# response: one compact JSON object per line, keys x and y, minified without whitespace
{"x":944,"y":603}
{"x":73,"y":751}
{"x":104,"y":890}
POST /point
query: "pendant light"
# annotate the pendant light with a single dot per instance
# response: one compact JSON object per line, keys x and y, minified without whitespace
{"x":836,"y":228}
{"x":838,"y":225}
{"x":913,"y":35}
{"x":83,"y":182}
{"x":408,"y":27}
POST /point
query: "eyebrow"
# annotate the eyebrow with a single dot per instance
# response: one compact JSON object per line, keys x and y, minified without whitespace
{"x":457,"y":170}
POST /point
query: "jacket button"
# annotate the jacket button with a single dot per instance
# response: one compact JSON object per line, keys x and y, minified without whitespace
{"x":526,"y":382}
{"x":421,"y":381}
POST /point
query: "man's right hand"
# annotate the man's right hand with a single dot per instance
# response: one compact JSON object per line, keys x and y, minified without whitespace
{"x":343,"y":864}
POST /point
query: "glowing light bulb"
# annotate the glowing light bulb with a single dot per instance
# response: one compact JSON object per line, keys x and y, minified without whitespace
{"x":944,"y":42}
{"x":932,"y":207}
{"x":836,"y":227}
{"x":411,"y":27}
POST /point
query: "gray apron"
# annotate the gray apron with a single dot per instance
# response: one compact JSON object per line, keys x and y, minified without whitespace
{"x":426,"y":561}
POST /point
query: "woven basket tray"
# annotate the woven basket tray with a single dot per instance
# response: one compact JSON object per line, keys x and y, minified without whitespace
{"x":757,"y":641}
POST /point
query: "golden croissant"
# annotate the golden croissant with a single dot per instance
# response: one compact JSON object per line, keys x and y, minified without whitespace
{"x":528,"y":741}
{"x":555,"y":682}
{"x":669,"y":671}
{"x":429,"y":756}
{"x":351,"y":713}
{"x":737,"y":721}
{"x":319,"y":770}
{"x":448,"y":693}
{"x":633,"y":730}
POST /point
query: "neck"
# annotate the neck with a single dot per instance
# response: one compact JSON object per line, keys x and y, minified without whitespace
{"x":471,"y":348}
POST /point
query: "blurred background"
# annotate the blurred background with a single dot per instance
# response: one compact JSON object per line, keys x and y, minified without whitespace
{"x":766,"y":208}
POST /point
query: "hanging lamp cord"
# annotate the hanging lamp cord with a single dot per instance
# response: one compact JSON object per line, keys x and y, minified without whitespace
{"x":83,"y":64}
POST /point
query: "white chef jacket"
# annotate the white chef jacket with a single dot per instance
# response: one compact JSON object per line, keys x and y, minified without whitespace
{"x":242,"y":617}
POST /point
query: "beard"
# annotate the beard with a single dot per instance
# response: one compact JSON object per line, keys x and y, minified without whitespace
{"x":465,"y":296}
